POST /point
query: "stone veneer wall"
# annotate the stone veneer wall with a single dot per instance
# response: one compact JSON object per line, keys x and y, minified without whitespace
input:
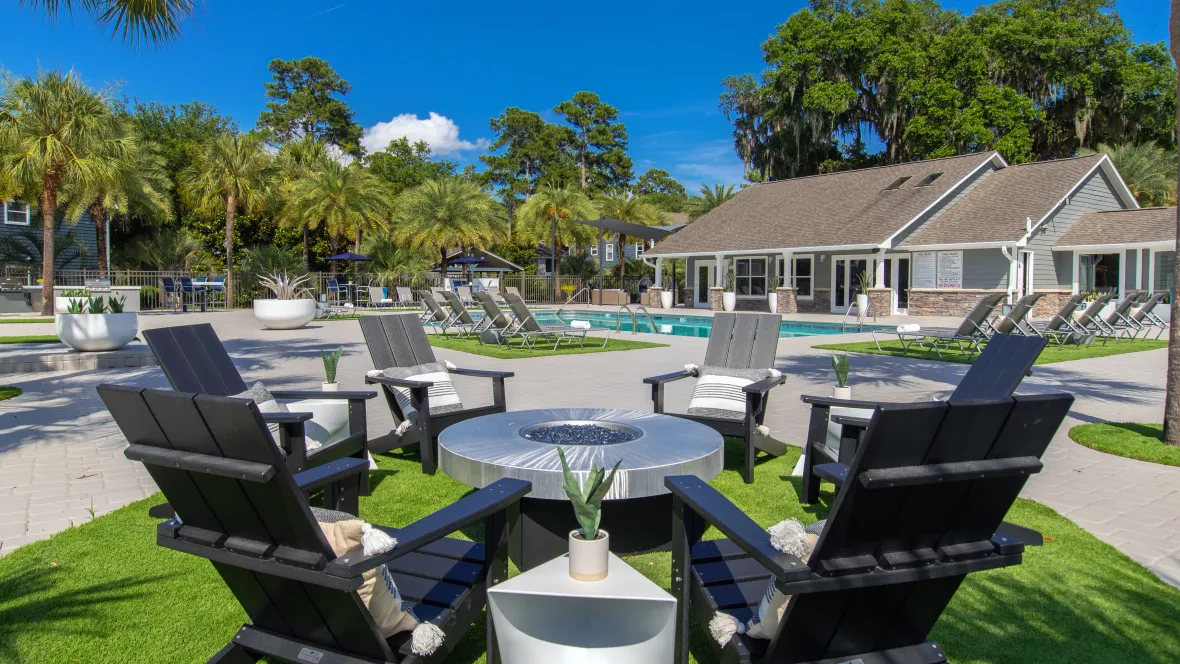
{"x":821,"y":302}
{"x":944,"y":302}
{"x":787,"y":301}
{"x":1050,"y":303}
{"x":715,"y":301}
{"x":653,"y":300}
{"x":758,"y":304}
{"x":880,"y":302}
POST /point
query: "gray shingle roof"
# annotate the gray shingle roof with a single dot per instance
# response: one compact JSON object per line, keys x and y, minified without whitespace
{"x":836,"y":209}
{"x":1156,"y":224}
{"x":996,"y":209}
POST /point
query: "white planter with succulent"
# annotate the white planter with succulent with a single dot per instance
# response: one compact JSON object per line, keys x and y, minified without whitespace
{"x":589,"y":545}
{"x":292,"y":306}
{"x":840,"y":366}
{"x":331,"y":361}
{"x":96,"y":324}
{"x":863,"y":284}
{"x":729,"y":297}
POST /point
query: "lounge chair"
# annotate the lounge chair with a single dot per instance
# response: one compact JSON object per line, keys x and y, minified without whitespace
{"x":194,"y":360}
{"x":922,"y":508}
{"x":438,"y":316}
{"x":496,"y":296}
{"x":377,"y":297}
{"x":1145,"y":316}
{"x":171,"y":293}
{"x":405,"y":298}
{"x":526,"y":327}
{"x":1060,"y":327}
{"x":495,"y":324}
{"x":1123,"y":321}
{"x":1107,"y":328}
{"x":972,"y":331}
{"x":736,"y":342}
{"x":464,"y":293}
{"x":1014,"y":322}
{"x":239,"y":506}
{"x":459,"y":312}
{"x":512,"y":290}
{"x":837,"y":426}
{"x":398,"y":340}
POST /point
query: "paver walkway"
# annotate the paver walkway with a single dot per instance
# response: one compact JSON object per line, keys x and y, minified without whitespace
{"x":60,"y":454}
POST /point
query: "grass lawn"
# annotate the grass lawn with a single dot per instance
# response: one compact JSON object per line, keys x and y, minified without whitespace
{"x":8,"y":392}
{"x":30,"y":339}
{"x":1127,"y":439}
{"x":593,"y":345}
{"x":104,"y":592}
{"x":1050,"y":355}
{"x":25,"y":320}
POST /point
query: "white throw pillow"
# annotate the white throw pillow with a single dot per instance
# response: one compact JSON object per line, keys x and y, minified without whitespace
{"x":719,"y":394}
{"x":266,"y":403}
{"x":443,"y":397}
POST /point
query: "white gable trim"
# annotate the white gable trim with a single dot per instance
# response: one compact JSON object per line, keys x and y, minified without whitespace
{"x":995,"y":159}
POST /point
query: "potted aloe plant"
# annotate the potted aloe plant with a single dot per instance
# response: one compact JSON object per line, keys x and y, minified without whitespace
{"x":291,"y":307}
{"x":331,"y":361}
{"x":94,"y":324}
{"x":840,"y":366}
{"x":729,"y":297}
{"x":589,"y":544}
{"x":863,"y":284}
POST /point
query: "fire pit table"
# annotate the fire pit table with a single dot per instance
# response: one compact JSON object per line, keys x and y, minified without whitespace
{"x":523,"y":444}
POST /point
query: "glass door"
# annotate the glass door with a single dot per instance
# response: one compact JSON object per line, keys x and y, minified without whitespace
{"x":846,"y":280}
{"x":706,"y":276}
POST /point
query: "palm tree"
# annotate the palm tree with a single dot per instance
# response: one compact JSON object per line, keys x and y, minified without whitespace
{"x":392,"y":263}
{"x":1148,"y":170}
{"x":153,"y":21}
{"x":298,"y":160}
{"x":24,"y":249}
{"x":1172,"y":393}
{"x":709,"y":199}
{"x":546,"y":212}
{"x":626,"y":206}
{"x":166,"y":250}
{"x":130,"y":176}
{"x":232,"y":173}
{"x":347,"y":199}
{"x":53,"y":130}
{"x":445,"y":213}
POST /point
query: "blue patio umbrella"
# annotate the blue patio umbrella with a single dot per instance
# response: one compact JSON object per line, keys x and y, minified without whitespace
{"x":349,"y":256}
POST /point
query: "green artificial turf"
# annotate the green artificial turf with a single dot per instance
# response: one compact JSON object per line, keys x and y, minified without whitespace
{"x":1051,"y":354}
{"x":1144,"y":442}
{"x":8,"y":392}
{"x":514,"y":350}
{"x":104,"y":592}
{"x":30,"y":339}
{"x":25,"y":320}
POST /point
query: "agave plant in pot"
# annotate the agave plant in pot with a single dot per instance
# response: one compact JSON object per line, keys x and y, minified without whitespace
{"x":291,"y":307}
{"x":94,"y":324}
{"x":729,"y":297}
{"x":840,"y":367}
{"x":331,"y":361}
{"x":589,"y":544}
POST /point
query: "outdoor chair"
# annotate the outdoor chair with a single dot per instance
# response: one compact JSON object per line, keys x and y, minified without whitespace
{"x":405,"y":298}
{"x":334,"y":290}
{"x":1060,"y":327}
{"x":1016,"y":320}
{"x":239,"y":506}
{"x":377,"y":297}
{"x":217,"y":290}
{"x":461,"y":315}
{"x":495,"y":324}
{"x":398,"y":340}
{"x":1088,"y":317}
{"x":439,"y":317}
{"x":171,"y":293}
{"x":512,"y":290}
{"x":496,"y":296}
{"x":194,"y":360}
{"x":1122,"y":320}
{"x":526,"y":327}
{"x":837,"y":426}
{"x":972,"y":331}
{"x":188,"y":292}
{"x":464,"y":293}
{"x":1109,"y":327}
{"x":1146,"y":319}
{"x":923,"y":507}
{"x":736,"y":342}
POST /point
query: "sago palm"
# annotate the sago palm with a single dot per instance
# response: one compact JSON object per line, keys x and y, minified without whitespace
{"x":53,"y":129}
{"x":348,"y":200}
{"x":151,"y":21}
{"x":165,"y":251}
{"x":546,"y":218}
{"x":626,"y":206}
{"x":709,"y":199}
{"x":448,"y":212}
{"x":296,"y":161}
{"x":232,"y":173}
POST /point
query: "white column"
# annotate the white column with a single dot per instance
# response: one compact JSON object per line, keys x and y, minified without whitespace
{"x":879,"y":272}
{"x":660,"y":272}
{"x":719,"y":276}
{"x":788,"y":273}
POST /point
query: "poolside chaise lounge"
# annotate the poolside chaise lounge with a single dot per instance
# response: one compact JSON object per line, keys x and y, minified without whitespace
{"x":1016,"y":320}
{"x":405,"y":297}
{"x":740,"y":346}
{"x":438,"y":316}
{"x":1146,"y":318}
{"x":974,"y":330}
{"x":526,"y":327}
{"x":1060,"y":326}
{"x":1109,"y":327}
{"x":398,"y":341}
{"x":462,"y":317}
{"x":239,"y":506}
{"x":512,"y":290}
{"x":923,"y":507}
{"x":377,"y":297}
{"x":495,"y":323}
{"x":1131,"y":321}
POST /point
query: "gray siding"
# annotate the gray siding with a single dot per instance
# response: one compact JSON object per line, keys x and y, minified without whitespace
{"x":83,"y":231}
{"x":934,"y":212}
{"x":1132,"y":264}
{"x":985,"y":269}
{"x":601,"y":257}
{"x":1056,"y":273}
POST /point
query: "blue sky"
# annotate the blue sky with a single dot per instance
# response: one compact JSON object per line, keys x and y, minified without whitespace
{"x":660,"y":63}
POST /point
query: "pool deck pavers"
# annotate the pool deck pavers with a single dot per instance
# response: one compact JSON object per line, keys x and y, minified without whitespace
{"x":61,"y":454}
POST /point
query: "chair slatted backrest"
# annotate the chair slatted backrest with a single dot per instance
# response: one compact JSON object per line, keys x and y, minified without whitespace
{"x":396,"y":340}
{"x":464,"y":292}
{"x":897,"y":523}
{"x":1065,"y":313}
{"x":523,"y":315}
{"x":1148,"y":306}
{"x":459,"y":309}
{"x":404,"y":294}
{"x":491,"y":310}
{"x":974,"y":320}
{"x":376,"y":293}
{"x":999,"y":369}
{"x":436,"y":312}
{"x":194,"y":359}
{"x":1115,"y":317}
{"x":743,"y":341}
{"x":267,"y":519}
{"x":1091,"y":312}
{"x":1018,"y":313}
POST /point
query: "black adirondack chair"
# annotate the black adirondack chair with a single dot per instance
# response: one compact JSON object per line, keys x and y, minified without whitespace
{"x":240,"y":507}
{"x":933,"y":482}
{"x":736,"y":341}
{"x":995,"y":374}
{"x":398,"y":340}
{"x":194,"y":360}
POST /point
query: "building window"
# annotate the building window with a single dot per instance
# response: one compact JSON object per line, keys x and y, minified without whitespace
{"x":750,"y":275}
{"x":594,"y":250}
{"x":16,"y":213}
{"x":639,"y":250}
{"x":548,"y":266}
{"x":610,"y":252}
{"x":1098,"y":273}
{"x":1165,"y":262}
{"x":801,"y":269}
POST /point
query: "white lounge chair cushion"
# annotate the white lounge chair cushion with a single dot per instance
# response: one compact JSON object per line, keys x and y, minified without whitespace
{"x":719,"y":394}
{"x":443,"y":397}
{"x":266,"y":403}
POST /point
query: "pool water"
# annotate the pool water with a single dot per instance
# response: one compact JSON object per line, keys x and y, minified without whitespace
{"x":681,"y":326}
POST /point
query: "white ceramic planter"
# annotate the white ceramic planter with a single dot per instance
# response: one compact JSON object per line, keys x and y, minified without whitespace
{"x":842,"y":393}
{"x":666,"y":299}
{"x":729,"y":301}
{"x":96,"y":332}
{"x":862,"y":304}
{"x":284,"y":314}
{"x":588,"y":559}
{"x":330,"y":387}
{"x":772,"y":302}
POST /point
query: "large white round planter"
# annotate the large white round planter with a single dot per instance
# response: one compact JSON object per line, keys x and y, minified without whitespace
{"x":862,"y":304}
{"x":729,"y":301}
{"x":772,"y":302}
{"x":96,"y":332}
{"x":589,"y":559}
{"x":284,"y":314}
{"x":666,"y":299}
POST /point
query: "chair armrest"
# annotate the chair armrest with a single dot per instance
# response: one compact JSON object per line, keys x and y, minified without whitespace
{"x":398,"y":382}
{"x":832,"y":402}
{"x":482,"y":373}
{"x":765,"y":385}
{"x":850,"y":421}
{"x":285,"y":418}
{"x":332,"y":471}
{"x":474,"y":507}
{"x":719,"y":512}
{"x":314,"y":394}
{"x":668,"y":378}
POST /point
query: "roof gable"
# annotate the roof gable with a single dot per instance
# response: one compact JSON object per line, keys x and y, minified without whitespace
{"x":1113,"y":227}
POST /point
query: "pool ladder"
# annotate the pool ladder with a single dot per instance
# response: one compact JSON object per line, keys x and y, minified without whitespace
{"x":572,"y":298}
{"x":860,"y":320}
{"x":634,"y":319}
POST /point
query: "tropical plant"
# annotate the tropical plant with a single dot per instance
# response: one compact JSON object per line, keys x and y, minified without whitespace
{"x":75,"y":306}
{"x":53,"y":129}
{"x":331,"y":360}
{"x":447,"y":213}
{"x":545,"y":218}
{"x":271,"y":259}
{"x":730,"y":281}
{"x":1148,"y":170}
{"x":95,"y":305}
{"x":233,"y":173}
{"x":579,"y":265}
{"x":166,"y":250}
{"x":23,"y":248}
{"x":587,"y":500}
{"x":296,"y":161}
{"x":709,"y":199}
{"x":116,"y":305}
{"x":136,"y":21}
{"x":840,"y":366}
{"x":625,"y":206}
{"x":394,"y":264}
{"x":348,"y":200}
{"x":864,"y":283}
{"x":285,"y":286}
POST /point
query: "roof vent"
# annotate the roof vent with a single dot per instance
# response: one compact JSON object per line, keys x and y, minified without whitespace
{"x":928,"y":180}
{"x":898,"y":182}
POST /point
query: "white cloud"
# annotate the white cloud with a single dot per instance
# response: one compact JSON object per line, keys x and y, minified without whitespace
{"x":439,"y":131}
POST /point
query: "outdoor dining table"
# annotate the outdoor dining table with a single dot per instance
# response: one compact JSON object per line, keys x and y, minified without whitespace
{"x":203,"y":287}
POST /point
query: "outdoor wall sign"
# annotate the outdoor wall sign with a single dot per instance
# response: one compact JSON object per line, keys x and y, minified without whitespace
{"x":924,"y":271}
{"x":950,"y":269}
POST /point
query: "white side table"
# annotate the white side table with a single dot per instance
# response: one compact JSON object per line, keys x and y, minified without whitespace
{"x":544,"y":616}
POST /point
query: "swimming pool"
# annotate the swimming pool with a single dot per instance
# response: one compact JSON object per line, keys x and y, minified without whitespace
{"x":684,"y":326}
